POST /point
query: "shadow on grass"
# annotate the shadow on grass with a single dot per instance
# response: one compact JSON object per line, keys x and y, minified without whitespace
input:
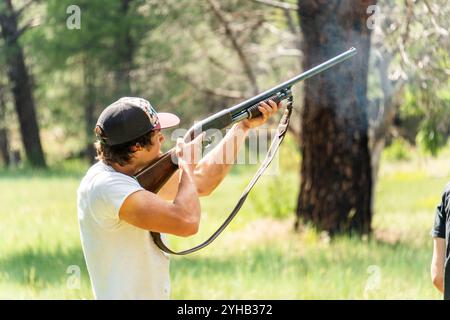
{"x":40,"y":268}
{"x":263,"y":262}
{"x":256,"y":260}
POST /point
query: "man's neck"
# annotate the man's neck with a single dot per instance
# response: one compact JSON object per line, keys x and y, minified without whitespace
{"x":129,"y":169}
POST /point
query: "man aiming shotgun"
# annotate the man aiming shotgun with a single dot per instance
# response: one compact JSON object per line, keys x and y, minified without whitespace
{"x":116,"y":213}
{"x":124,"y":195}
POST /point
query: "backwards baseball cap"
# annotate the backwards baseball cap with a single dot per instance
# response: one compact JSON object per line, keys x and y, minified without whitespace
{"x":129,"y":118}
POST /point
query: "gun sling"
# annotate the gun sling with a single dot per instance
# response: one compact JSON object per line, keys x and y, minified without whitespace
{"x":276,"y":141}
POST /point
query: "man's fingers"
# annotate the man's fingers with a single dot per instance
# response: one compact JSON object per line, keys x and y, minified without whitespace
{"x":179,"y":147}
{"x":191,"y":151}
{"x":280,"y":104}
{"x":199,"y":138}
{"x":264,"y":111}
{"x":265,"y":106}
{"x":273,"y":105}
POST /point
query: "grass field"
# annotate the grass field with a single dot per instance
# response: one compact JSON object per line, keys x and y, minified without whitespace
{"x":258,"y":257}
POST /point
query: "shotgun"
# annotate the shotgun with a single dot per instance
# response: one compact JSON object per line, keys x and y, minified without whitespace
{"x":156,"y":173}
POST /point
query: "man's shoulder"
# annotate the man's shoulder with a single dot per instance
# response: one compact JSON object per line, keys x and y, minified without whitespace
{"x":103,"y":179}
{"x":445,"y":199}
{"x":101,"y":175}
{"x":447,"y":189}
{"x":97,"y":175}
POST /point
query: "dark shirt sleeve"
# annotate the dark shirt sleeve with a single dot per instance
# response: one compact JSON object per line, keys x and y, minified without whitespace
{"x":440,"y":218}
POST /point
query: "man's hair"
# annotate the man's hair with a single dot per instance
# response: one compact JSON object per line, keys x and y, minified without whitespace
{"x":120,"y":153}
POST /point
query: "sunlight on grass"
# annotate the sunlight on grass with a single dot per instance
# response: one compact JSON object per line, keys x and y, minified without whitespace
{"x":258,"y":256}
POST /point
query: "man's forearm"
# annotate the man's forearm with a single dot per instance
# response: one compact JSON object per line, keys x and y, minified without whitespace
{"x":213,"y":168}
{"x":437,"y":263}
{"x":187,"y":198}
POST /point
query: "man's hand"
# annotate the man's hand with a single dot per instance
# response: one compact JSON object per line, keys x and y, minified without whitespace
{"x":189,"y":154}
{"x":267,"y":110}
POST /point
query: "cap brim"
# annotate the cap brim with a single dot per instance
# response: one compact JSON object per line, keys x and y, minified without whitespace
{"x":167,"y":120}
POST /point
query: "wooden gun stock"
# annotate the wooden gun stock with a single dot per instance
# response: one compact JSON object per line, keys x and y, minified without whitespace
{"x":156,"y":174}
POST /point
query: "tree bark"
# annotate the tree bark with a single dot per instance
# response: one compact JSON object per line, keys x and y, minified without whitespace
{"x":4,"y":140}
{"x":89,"y":108}
{"x":125,"y":50}
{"x":21,"y":87}
{"x":336,"y":183}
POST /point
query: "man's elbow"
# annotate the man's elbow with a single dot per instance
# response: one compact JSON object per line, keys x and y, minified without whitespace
{"x":189,"y":229}
{"x":189,"y":223}
{"x":438,"y":281}
{"x":204,"y":192}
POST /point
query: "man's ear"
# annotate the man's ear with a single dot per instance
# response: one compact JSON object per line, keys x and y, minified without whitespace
{"x":136,"y":147}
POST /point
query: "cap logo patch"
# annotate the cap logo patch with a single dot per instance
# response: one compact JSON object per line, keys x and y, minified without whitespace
{"x":149,"y":111}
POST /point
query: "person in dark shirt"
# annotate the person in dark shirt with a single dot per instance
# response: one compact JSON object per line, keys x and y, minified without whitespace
{"x":440,"y":266}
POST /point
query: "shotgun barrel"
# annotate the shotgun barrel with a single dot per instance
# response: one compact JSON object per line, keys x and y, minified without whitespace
{"x":249,"y":108}
{"x":156,"y":174}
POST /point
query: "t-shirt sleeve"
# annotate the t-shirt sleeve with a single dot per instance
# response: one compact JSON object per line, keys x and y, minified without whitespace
{"x":440,"y":218}
{"x":112,"y":190}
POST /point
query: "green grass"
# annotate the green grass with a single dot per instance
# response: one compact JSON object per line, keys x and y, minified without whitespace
{"x":258,"y":257}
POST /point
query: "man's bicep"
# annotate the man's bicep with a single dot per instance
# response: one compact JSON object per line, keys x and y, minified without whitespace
{"x":147,"y":211}
{"x":439,"y":246}
{"x":438,"y":260}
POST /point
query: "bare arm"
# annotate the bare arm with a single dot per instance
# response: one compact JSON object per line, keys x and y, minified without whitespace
{"x":437,"y":263}
{"x":148,"y":211}
{"x":212,"y":169}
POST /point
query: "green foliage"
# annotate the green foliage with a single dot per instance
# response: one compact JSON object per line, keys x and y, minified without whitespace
{"x":413,"y":40}
{"x":276,"y":195}
{"x":180,"y":57}
{"x":430,"y":139}
{"x":399,"y":149}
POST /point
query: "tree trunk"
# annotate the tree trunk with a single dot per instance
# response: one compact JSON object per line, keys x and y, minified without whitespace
{"x":125,"y":54}
{"x":335,"y":191}
{"x":4,"y":142}
{"x":21,"y":87}
{"x":89,"y":109}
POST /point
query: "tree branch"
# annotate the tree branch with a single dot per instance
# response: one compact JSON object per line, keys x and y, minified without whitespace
{"x":19,"y":11}
{"x":278,"y":4}
{"x":230,"y":34}
{"x":230,"y":94}
{"x":204,"y":50}
{"x":438,"y":28}
{"x":23,"y":29}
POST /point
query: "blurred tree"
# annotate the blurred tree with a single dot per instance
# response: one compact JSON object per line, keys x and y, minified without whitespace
{"x":125,"y":47}
{"x":412,"y":74}
{"x":101,"y":54}
{"x":335,"y":190}
{"x":20,"y":80}
{"x":188,"y":57}
{"x":4,"y":137}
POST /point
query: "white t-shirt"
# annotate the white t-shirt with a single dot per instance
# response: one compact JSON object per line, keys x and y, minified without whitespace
{"x":122,"y":260}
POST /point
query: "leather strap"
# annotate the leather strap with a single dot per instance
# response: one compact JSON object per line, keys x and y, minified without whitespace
{"x":276,"y":141}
